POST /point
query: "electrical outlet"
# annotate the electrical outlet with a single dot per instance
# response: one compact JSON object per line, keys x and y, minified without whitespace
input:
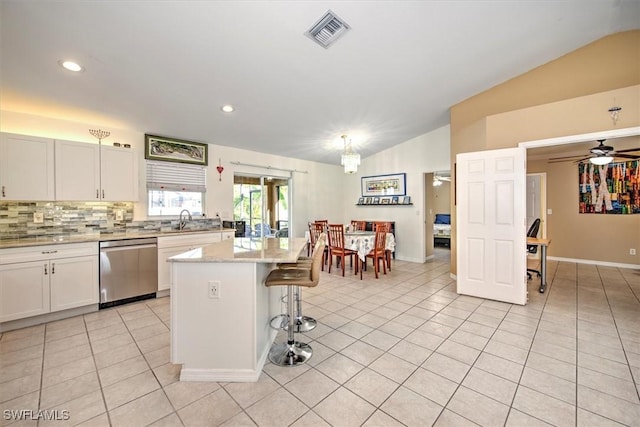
{"x":38,"y":217}
{"x":632,"y":251}
{"x":214,"y":289}
{"x":119,"y":215}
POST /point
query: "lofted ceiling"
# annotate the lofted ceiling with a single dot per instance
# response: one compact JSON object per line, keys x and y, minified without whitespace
{"x":167,"y":67}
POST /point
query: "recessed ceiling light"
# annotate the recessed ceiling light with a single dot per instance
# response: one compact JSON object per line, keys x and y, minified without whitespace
{"x":71,"y":66}
{"x":227,"y":108}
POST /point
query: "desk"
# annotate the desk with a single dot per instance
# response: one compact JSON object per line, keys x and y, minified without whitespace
{"x":543,"y":243}
{"x":363,"y":241}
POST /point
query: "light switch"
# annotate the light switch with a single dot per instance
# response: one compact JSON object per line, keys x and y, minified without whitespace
{"x":549,"y":211}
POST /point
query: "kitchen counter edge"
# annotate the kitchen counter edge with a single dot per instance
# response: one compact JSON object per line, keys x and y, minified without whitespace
{"x":41,"y":241}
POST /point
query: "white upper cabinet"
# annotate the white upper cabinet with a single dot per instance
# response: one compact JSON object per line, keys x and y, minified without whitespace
{"x":77,"y":171}
{"x":119,"y":174}
{"x":26,"y":168}
{"x":33,"y":168}
{"x":91,"y":172}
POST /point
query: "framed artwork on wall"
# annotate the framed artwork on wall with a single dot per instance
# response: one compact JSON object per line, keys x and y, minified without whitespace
{"x":175,"y":150}
{"x":384,"y":185}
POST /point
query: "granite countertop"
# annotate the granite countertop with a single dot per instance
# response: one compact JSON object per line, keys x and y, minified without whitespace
{"x":247,"y":249}
{"x":86,"y":238}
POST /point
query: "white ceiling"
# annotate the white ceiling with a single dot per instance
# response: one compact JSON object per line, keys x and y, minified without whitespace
{"x":166,"y":67}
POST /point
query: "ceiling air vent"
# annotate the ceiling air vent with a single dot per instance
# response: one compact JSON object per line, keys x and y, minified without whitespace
{"x":327,"y":30}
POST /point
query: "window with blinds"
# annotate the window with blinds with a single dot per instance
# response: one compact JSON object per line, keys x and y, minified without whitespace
{"x":172,"y":187}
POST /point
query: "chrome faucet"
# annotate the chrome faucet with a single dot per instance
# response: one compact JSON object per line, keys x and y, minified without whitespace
{"x":182,"y":222}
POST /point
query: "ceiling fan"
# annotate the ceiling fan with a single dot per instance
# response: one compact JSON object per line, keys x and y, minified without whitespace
{"x":438,"y":179}
{"x":600,"y":155}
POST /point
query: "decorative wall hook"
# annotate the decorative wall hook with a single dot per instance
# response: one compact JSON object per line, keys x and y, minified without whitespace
{"x":220,"y":169}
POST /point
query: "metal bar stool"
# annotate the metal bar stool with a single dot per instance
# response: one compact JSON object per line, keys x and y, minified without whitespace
{"x":302,"y":323}
{"x":292,"y":352}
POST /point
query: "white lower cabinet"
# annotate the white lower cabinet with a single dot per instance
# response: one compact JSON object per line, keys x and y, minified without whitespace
{"x":74,"y":282}
{"x":44,"y":279}
{"x":24,"y":290}
{"x":174,"y":245}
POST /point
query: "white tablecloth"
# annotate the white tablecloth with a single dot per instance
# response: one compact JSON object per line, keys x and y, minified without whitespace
{"x":364,"y":241}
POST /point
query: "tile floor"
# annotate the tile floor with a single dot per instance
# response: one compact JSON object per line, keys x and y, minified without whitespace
{"x":402,"y":350}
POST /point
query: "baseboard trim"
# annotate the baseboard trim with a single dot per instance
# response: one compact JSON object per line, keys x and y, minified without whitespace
{"x":594,"y":262}
{"x":45,"y":318}
{"x":220,"y":375}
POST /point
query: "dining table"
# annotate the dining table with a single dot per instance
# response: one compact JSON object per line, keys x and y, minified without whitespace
{"x":364,"y":241}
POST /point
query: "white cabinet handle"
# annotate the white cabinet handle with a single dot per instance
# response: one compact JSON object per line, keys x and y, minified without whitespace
{"x":45,"y":270}
{"x":53,"y":268}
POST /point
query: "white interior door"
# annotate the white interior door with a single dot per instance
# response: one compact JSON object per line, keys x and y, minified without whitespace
{"x":534,"y":192}
{"x":491,"y":233}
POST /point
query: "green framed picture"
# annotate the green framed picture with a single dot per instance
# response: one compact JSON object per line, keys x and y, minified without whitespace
{"x":175,"y":150}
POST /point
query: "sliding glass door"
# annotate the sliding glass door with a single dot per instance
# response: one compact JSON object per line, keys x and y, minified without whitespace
{"x":263,"y":203}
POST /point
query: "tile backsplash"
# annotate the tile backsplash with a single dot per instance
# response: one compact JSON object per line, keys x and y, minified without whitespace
{"x":76,"y":218}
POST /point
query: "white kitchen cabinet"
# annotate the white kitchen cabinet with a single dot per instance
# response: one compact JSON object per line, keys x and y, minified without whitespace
{"x":228,"y":235}
{"x":73,"y":282}
{"x":26,"y":168}
{"x":24,"y":290}
{"x":118,"y":174}
{"x":169,"y":246}
{"x":43,"y":279}
{"x":91,"y":172}
{"x":77,"y":171}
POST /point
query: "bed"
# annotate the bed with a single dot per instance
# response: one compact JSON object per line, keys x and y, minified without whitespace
{"x":442,"y":230}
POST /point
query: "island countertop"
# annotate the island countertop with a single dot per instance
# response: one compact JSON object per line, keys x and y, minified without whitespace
{"x":247,"y":249}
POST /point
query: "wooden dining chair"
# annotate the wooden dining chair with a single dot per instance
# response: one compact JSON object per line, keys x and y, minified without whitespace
{"x":384,"y":225}
{"x":324,"y":222}
{"x":337,"y":249}
{"x":358,"y":225}
{"x":377,"y":253}
{"x":315,"y":230}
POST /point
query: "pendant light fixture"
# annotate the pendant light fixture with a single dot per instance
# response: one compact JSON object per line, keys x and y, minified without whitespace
{"x":350,"y":160}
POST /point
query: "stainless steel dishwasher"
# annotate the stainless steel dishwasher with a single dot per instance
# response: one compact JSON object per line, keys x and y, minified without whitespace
{"x":128,"y":270}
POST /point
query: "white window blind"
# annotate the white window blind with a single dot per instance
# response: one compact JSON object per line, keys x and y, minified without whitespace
{"x":176,"y":177}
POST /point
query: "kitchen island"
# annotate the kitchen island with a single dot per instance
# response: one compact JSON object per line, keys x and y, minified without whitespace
{"x":220,"y":308}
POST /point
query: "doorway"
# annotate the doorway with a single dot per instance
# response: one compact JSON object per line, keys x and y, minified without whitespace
{"x":263,"y":203}
{"x":437,"y":209}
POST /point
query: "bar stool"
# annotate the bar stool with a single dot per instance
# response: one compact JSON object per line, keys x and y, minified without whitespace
{"x":292,"y":352}
{"x":301,"y":323}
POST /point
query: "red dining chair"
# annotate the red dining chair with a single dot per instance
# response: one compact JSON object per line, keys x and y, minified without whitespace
{"x":386,"y":226}
{"x":337,"y":249}
{"x":315,"y":230}
{"x":377,"y":253}
{"x":358,"y":225}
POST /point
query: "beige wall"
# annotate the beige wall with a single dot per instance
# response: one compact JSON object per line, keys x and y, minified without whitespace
{"x":442,"y":198}
{"x":600,"y":237}
{"x":430,"y":213}
{"x":567,"y":96}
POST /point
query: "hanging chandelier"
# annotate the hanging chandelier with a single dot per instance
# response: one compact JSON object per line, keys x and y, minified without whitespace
{"x":350,"y":160}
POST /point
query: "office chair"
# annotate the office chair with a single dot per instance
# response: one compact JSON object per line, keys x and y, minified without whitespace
{"x":533,"y":249}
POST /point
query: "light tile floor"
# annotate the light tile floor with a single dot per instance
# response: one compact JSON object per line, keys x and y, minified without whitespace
{"x":401,"y":350}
